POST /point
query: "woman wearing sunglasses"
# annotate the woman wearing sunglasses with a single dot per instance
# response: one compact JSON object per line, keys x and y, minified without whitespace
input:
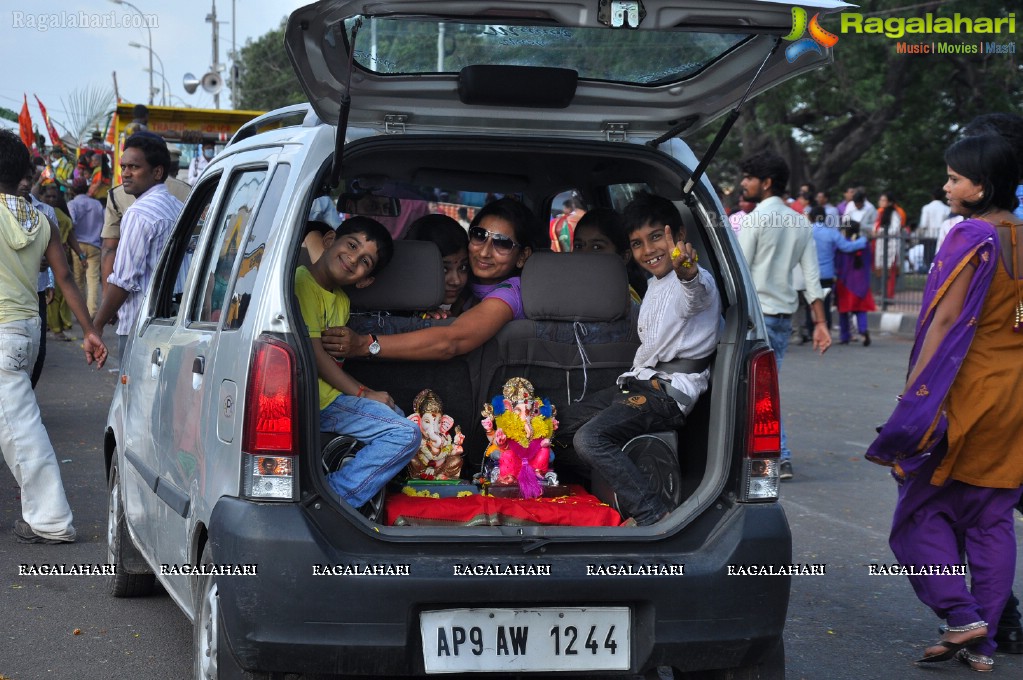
{"x":500,"y":241}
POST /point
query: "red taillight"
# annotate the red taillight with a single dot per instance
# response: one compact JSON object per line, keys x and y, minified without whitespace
{"x":765,"y":410}
{"x":270,"y":403}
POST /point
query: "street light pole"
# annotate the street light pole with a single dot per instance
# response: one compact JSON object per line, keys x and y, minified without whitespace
{"x":215,"y":67}
{"x":145,"y":23}
{"x":162,"y":70}
{"x":164,"y":91}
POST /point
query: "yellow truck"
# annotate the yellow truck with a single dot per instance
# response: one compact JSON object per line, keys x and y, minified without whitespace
{"x":183,"y":128}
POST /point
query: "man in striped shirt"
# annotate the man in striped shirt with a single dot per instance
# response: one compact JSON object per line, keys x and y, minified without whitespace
{"x":145,"y":229}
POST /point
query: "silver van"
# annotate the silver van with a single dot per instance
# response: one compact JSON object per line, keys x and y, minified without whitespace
{"x":215,"y":461}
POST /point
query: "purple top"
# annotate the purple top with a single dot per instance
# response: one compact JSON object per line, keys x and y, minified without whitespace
{"x":918,"y":423}
{"x":87,"y":214}
{"x":508,"y":291}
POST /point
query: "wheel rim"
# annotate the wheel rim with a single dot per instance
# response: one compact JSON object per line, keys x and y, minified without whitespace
{"x":113,"y":514}
{"x":206,"y":644}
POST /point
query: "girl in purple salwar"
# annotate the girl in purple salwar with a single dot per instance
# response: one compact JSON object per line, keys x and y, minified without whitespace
{"x":955,"y":439}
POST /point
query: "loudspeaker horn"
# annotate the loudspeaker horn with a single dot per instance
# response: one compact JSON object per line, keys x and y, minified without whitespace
{"x":190,"y":83}
{"x":212,"y":82}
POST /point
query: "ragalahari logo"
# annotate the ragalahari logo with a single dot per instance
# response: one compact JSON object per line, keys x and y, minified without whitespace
{"x":818,"y":41}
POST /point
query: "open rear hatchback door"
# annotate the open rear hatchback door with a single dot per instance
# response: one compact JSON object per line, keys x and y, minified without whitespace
{"x":584,"y":68}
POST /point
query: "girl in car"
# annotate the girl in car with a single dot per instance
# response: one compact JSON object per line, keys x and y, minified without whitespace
{"x":453,"y":243}
{"x":603,"y":231}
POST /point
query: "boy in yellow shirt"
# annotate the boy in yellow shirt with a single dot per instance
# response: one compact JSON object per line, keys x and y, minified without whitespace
{"x":360,"y":248}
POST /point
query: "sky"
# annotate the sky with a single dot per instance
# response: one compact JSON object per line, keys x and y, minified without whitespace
{"x":66,"y":57}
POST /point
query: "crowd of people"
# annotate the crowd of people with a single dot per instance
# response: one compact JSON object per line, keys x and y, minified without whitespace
{"x":61,"y":223}
{"x":949,"y":444}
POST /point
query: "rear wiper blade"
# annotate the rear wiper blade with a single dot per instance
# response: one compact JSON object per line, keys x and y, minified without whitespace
{"x":345,"y":106}
{"x":687,"y":190}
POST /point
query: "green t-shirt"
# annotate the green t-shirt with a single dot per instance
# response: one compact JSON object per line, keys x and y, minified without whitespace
{"x":321,"y":308}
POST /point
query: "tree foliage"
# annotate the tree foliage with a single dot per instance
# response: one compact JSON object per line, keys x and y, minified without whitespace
{"x":875,"y":117}
{"x":266,"y":80}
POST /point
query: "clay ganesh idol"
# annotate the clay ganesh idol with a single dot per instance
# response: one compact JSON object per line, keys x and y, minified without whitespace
{"x":519,"y":426}
{"x":440,"y":455}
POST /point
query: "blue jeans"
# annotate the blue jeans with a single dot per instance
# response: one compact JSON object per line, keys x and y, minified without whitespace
{"x":778,"y":333}
{"x":389,"y":442}
{"x":23,"y":439}
{"x":610,"y":418}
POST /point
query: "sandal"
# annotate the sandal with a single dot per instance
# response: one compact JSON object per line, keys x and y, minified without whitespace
{"x":976,"y":662}
{"x":953,"y":648}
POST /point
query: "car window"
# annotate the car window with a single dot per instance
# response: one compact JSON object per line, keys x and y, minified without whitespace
{"x":621,"y":195}
{"x":254,"y":248}
{"x":417,"y":45}
{"x":172,"y":275}
{"x":211,"y":293}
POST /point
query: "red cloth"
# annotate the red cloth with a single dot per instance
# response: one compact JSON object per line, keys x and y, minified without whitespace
{"x":578,"y":509}
{"x":54,"y":135}
{"x":25,"y":126}
{"x":846,"y":300}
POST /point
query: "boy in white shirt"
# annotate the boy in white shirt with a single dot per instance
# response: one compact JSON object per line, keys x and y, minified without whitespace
{"x":678,"y":329}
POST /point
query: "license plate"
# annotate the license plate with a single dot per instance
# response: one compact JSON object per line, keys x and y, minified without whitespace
{"x":510,"y":640}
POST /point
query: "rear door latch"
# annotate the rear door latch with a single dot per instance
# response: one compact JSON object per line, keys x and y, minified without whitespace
{"x":394,"y":123}
{"x":616,"y":132}
{"x":620,"y":13}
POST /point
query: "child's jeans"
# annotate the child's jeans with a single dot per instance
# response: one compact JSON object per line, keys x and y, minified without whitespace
{"x":389,"y":442}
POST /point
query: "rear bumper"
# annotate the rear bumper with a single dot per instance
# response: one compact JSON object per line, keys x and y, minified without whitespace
{"x":307,"y":610}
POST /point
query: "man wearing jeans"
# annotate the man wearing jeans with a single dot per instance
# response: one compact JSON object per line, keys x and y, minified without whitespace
{"x":774,"y":239}
{"x":25,"y":236}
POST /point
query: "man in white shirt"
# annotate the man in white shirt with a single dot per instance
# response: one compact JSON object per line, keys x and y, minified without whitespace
{"x":774,"y":239}
{"x":145,"y":229}
{"x":931,"y":217}
{"x":199,"y":163}
{"x":862,"y":212}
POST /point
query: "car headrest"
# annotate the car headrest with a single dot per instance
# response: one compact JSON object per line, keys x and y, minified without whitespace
{"x":575,"y":287}
{"x":413,"y":280}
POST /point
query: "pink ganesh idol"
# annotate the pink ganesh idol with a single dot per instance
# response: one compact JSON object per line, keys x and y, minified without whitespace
{"x":519,"y":426}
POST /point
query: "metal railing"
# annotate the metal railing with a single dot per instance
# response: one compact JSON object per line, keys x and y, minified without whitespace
{"x":899,"y":288}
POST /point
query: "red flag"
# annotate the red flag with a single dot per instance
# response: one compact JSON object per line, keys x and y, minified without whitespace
{"x":54,"y":135}
{"x":25,"y":125}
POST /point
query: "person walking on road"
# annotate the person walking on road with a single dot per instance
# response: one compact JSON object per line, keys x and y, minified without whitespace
{"x":25,"y":236}
{"x":774,"y":238}
{"x":1009,"y":127}
{"x":955,"y":439}
{"x":145,"y":229}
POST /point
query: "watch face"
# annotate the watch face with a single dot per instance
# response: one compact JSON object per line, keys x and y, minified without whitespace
{"x":374,"y":346}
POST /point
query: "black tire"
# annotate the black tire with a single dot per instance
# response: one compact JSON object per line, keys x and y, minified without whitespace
{"x":122,"y":583}
{"x":213,"y":659}
{"x":659,"y":464}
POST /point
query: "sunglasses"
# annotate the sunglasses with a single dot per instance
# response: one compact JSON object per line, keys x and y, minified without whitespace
{"x":502,"y":244}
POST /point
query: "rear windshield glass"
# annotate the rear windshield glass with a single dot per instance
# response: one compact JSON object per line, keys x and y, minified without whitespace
{"x":404,"y":46}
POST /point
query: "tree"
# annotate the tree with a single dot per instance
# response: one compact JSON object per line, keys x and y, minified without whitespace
{"x":877,"y":117}
{"x":87,"y":109}
{"x":267,"y":81}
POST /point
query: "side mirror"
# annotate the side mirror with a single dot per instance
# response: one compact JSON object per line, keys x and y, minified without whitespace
{"x":369,"y":205}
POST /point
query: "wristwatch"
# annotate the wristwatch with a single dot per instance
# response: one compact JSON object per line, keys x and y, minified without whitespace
{"x":374,"y":347}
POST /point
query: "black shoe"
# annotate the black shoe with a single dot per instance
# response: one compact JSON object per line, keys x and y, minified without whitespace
{"x":1010,"y":640}
{"x":866,"y":339}
{"x":25,"y":534}
{"x":785,"y":470}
